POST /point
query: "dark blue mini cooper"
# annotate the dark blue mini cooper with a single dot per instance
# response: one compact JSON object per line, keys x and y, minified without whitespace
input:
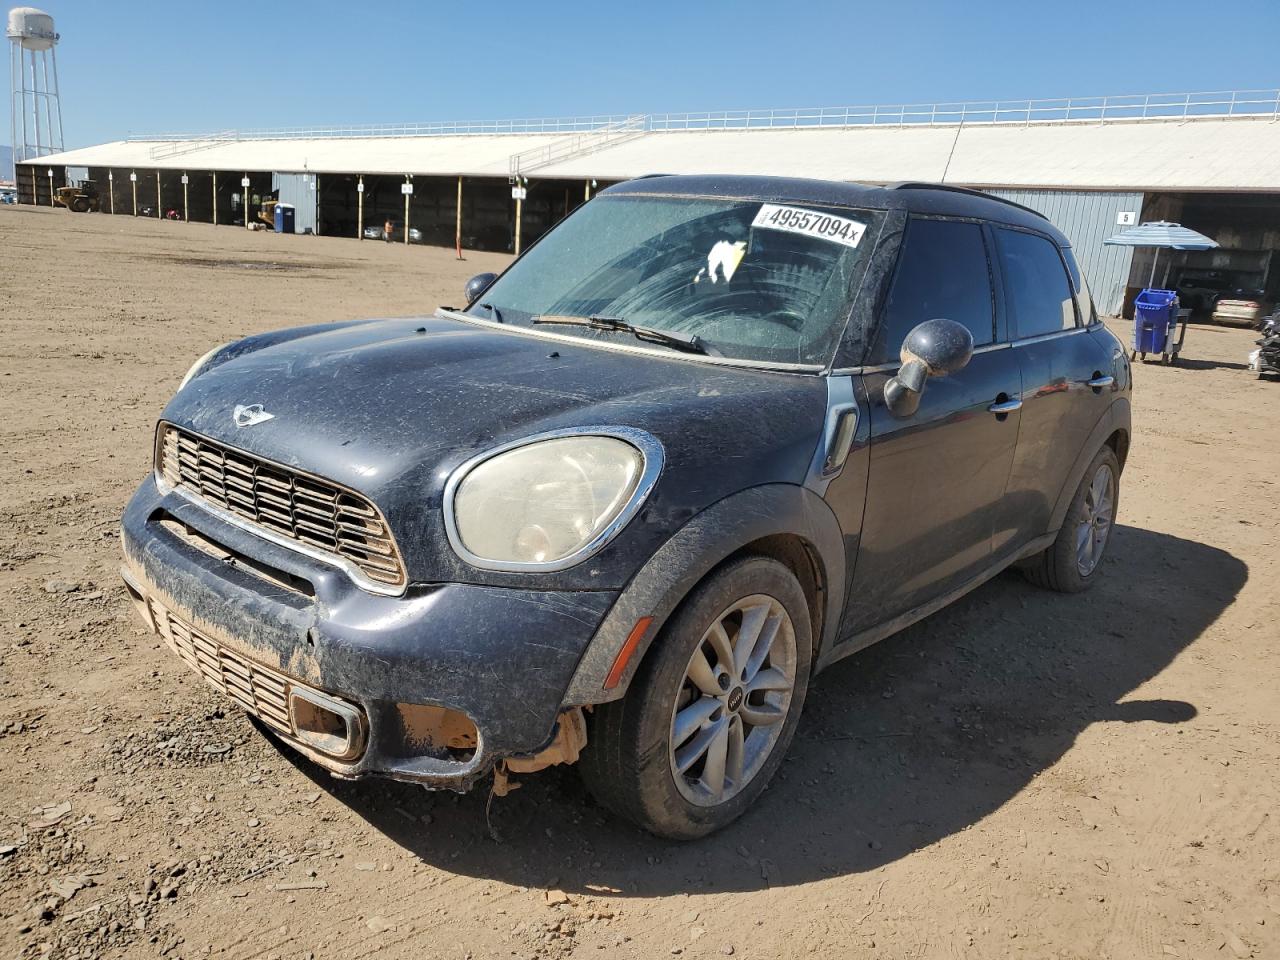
{"x":706,"y":437}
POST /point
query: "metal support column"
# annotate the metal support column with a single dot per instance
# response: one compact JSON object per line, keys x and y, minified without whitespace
{"x":48,"y":113}
{"x":62,"y":143}
{"x":519,"y":209}
{"x":186,"y":198}
{"x":111,"y":189}
{"x":457,"y":226}
{"x":360,"y":207}
{"x":159,"y":203}
{"x":133,"y":182}
{"x":215,"y":197}
{"x":409,"y":182}
{"x":35,"y":103}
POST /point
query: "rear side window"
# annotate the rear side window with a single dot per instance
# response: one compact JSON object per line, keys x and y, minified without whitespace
{"x":942,"y":272}
{"x":1041,"y":298}
{"x":1084,"y":302}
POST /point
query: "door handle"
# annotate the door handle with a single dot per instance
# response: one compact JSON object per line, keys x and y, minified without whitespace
{"x":1006,"y":406}
{"x":1101,"y":381}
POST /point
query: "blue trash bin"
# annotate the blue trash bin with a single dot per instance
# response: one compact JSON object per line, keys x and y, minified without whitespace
{"x":1154,"y":313}
{"x":284,"y":218}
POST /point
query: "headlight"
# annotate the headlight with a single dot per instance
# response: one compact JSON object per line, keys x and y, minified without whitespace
{"x":199,"y":365}
{"x":549,"y":502}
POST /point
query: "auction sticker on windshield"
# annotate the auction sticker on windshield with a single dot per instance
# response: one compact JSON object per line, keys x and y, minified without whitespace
{"x":810,"y":223}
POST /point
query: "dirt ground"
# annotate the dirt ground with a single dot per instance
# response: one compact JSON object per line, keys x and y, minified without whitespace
{"x":1023,"y":774}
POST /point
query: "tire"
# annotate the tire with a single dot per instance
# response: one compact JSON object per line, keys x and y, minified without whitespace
{"x":80,"y":205}
{"x":1061,"y":567}
{"x":630,"y":762}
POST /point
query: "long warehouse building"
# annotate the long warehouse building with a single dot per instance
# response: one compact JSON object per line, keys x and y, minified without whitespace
{"x":1210,"y":162}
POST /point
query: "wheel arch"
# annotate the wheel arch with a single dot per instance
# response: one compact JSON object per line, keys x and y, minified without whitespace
{"x":1119,"y":444}
{"x":786,"y":522}
{"x":800,"y":557}
{"x":1112,"y":429}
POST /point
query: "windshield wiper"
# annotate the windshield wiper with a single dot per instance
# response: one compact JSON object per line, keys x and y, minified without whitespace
{"x":690,"y":344}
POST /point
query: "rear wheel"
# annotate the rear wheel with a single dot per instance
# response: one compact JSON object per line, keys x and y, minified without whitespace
{"x":710,"y":713}
{"x":1071,"y":563}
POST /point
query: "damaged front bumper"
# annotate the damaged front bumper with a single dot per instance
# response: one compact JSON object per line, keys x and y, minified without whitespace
{"x":433,"y":686}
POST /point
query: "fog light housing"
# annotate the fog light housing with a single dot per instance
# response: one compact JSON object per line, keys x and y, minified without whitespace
{"x":326,"y":724}
{"x":437,"y":731}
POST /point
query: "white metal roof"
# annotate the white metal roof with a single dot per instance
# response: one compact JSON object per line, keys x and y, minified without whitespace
{"x":1202,"y":154}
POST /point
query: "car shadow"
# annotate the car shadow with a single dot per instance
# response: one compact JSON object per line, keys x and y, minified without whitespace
{"x":1192,"y":363}
{"x":902,"y":745}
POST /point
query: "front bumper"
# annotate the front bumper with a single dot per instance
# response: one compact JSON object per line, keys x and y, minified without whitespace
{"x":503,"y":657}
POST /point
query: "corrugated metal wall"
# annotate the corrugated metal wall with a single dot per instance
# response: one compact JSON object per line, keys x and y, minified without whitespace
{"x":1088,"y":218}
{"x":298,"y":189}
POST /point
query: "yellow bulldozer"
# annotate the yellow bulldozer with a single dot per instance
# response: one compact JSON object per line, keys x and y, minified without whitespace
{"x":267,"y":212}
{"x":78,"y":197}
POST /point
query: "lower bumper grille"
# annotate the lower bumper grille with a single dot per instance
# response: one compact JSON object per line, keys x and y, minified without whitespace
{"x":258,"y":690}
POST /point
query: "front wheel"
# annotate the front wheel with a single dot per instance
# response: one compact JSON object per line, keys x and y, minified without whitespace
{"x":1071,"y":564}
{"x":713,"y":707}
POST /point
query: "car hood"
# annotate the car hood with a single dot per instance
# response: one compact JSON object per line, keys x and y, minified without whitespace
{"x":390,"y":407}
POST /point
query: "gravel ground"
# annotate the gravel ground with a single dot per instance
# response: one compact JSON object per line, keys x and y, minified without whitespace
{"x":1023,"y":774}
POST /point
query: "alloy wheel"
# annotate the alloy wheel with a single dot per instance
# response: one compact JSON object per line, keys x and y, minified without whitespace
{"x":1094,"y":527}
{"x":733,"y":700}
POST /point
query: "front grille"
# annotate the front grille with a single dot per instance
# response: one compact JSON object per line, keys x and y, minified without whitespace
{"x":303,"y":508}
{"x":262,"y":692}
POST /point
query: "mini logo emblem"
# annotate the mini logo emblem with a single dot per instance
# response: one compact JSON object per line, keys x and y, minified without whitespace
{"x":248,"y":416}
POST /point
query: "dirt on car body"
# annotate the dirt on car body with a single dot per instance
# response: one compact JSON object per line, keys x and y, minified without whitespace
{"x":1019,"y":774}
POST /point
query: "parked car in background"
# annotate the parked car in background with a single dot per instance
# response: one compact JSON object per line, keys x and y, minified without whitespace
{"x":1199,"y":293}
{"x":707,"y":437}
{"x":1241,"y":308}
{"x":378,"y":232}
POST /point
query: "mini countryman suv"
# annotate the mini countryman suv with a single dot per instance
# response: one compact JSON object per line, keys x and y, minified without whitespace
{"x":706,"y":437}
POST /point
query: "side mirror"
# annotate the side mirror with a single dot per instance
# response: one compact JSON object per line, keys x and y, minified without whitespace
{"x":932,"y":349}
{"x":478,"y":285}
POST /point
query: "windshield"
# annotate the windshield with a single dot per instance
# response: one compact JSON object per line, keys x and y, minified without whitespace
{"x":751,"y":280}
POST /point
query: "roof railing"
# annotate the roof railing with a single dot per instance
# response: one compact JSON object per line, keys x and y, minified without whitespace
{"x":1164,"y":107}
{"x":173,"y":148}
{"x":576,"y":145}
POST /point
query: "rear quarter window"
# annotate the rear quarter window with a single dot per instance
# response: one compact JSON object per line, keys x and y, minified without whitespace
{"x":1084,"y":301}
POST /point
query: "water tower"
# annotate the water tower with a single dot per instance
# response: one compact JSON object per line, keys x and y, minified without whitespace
{"x":36,"y":115}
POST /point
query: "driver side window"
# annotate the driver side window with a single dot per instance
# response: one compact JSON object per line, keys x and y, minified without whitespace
{"x":943,"y":271}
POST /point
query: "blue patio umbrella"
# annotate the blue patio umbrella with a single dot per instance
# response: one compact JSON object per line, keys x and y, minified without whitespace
{"x":1162,"y":235}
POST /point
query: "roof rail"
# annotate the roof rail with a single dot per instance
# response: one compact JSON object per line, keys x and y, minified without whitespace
{"x":924,"y":185}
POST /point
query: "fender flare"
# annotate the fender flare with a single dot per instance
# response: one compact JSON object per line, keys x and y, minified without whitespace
{"x":697,"y":548}
{"x":1117,"y":417}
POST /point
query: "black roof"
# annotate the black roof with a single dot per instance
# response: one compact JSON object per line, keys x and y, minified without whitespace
{"x":931,"y":198}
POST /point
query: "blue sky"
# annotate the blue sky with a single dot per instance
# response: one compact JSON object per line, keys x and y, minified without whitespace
{"x":148,"y":67}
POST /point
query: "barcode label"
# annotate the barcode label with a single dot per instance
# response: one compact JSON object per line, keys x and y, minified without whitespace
{"x":810,"y":223}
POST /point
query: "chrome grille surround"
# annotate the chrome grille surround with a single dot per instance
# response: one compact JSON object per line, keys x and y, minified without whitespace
{"x":316,"y":516}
